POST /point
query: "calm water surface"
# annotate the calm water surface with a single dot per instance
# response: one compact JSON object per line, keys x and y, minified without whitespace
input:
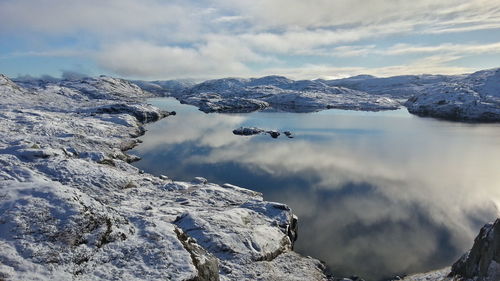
{"x":377,"y":194}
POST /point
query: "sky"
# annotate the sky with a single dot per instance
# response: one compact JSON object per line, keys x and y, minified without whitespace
{"x":204,"y":39}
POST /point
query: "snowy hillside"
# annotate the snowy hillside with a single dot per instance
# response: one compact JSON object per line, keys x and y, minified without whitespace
{"x":398,"y":87}
{"x":246,"y":95}
{"x":164,"y":88}
{"x":473,"y":97}
{"x":73,"y":208}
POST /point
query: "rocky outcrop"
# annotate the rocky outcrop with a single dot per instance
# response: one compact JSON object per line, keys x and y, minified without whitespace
{"x":456,"y":103}
{"x":205,"y":263}
{"x":73,"y":208}
{"x":247,"y":95}
{"x":470,"y":97}
{"x":482,"y":262}
{"x":143,"y":113}
{"x":250,"y":131}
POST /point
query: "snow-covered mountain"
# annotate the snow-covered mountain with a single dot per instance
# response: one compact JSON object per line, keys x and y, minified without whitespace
{"x":469,"y":97}
{"x":398,"y":87}
{"x":474,"y":97}
{"x":164,"y":88}
{"x":245,"y":95}
{"x":102,"y":87}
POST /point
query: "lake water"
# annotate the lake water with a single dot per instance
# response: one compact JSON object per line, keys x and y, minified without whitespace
{"x":377,"y":194}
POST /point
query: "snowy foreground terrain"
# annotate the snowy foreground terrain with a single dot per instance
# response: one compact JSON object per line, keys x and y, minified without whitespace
{"x":473,"y":98}
{"x":73,"y":208}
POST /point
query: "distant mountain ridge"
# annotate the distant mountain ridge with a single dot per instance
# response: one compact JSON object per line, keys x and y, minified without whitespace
{"x":468,"y":97}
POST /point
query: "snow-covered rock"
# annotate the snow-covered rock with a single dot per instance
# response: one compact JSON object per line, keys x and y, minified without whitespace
{"x":436,"y":275}
{"x":246,"y":95}
{"x":473,"y":97}
{"x":164,"y":88}
{"x":482,"y":262}
{"x":250,"y":131}
{"x":397,"y":87}
{"x":73,"y":208}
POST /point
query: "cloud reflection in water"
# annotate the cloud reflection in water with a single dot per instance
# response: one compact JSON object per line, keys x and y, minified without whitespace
{"x":377,"y":194}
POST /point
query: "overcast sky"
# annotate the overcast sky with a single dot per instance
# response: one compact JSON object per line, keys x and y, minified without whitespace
{"x":160,"y":39}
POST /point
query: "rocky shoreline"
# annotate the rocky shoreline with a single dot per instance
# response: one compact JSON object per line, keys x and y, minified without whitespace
{"x":72,"y":207}
{"x":467,"y":98}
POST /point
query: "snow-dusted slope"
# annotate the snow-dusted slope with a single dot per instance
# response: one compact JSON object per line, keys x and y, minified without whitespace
{"x":473,"y":97}
{"x":398,"y":87}
{"x":164,"y":88}
{"x":246,"y":95}
{"x":72,"y":208}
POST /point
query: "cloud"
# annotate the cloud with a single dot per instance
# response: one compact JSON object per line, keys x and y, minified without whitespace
{"x":237,"y":38}
{"x":429,"y":65}
{"x":61,"y":16}
{"x":306,"y":41}
{"x":229,"y":19}
{"x":325,"y":13}
{"x":49,"y":53}
{"x":144,"y":59}
{"x":402,"y":49}
{"x":423,"y":201}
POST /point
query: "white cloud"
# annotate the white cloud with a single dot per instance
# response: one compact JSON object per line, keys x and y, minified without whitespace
{"x":429,"y":65}
{"x":326,"y":13}
{"x":402,"y":49}
{"x":413,"y":195}
{"x":229,"y":19}
{"x":67,"y":52}
{"x":146,"y":60}
{"x":209,"y":38}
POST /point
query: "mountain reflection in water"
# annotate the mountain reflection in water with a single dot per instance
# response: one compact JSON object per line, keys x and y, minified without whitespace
{"x":377,"y":194}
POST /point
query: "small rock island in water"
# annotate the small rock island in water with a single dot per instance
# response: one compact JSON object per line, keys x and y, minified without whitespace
{"x":250,"y":131}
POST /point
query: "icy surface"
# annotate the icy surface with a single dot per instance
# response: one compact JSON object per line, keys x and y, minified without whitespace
{"x":73,"y":208}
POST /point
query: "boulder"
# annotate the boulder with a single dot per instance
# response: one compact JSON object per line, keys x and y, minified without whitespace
{"x":482,"y":262}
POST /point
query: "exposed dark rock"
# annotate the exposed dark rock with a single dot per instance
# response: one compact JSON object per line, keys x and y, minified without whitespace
{"x":206,"y":264}
{"x":129,"y":144}
{"x":284,"y":246}
{"x":273,"y":134}
{"x":140,"y":131}
{"x":199,"y":180}
{"x":293,"y":229}
{"x":482,"y":262}
{"x":249,"y":131}
{"x":143,"y":114}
